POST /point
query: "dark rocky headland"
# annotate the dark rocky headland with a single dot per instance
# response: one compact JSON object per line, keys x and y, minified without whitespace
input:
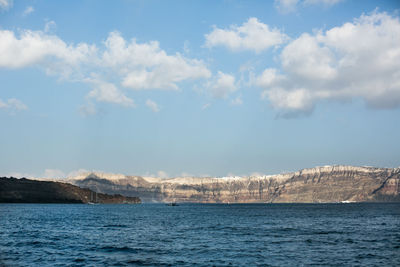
{"x":23,"y":190}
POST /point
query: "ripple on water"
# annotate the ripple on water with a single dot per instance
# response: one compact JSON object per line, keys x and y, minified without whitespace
{"x":118,"y":249}
{"x":198,"y":234}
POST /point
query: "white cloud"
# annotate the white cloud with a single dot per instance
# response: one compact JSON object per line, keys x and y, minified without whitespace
{"x":360,"y":59}
{"x":6,"y":4}
{"x":152,"y":105}
{"x":237,"y":101}
{"x":269,"y":78}
{"x":35,"y":47}
{"x":146,"y":66}
{"x":77,"y":172}
{"x":88,"y":109}
{"x":54,"y":173}
{"x":286,"y":6}
{"x":108,"y":92}
{"x":188,"y":174}
{"x":16,"y":104}
{"x":49,"y":26}
{"x":223,"y":85}
{"x":255,"y":174}
{"x":162,"y":174}
{"x":28,"y":10}
{"x":205,"y":106}
{"x":315,"y":61}
{"x":2,"y":104}
{"x":59,"y":174}
{"x":291,"y":102}
{"x":252,"y":35}
{"x":12,"y":105}
{"x":131,"y":64}
{"x":289,"y":6}
{"x":159,"y":174}
{"x":186,"y":47}
{"x":322,"y":2}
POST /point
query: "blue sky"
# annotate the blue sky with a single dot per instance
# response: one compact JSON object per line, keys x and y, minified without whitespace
{"x":215,"y":88}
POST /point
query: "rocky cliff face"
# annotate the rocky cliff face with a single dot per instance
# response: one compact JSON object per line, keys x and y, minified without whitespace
{"x":23,"y":190}
{"x":321,"y":184}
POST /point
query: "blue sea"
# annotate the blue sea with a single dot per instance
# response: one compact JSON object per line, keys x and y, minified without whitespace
{"x":365,"y":234}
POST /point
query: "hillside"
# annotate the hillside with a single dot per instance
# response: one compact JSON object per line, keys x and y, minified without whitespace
{"x":23,"y":190}
{"x":315,"y":185}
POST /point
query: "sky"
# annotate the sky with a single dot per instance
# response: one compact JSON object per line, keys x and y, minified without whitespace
{"x":197,"y":88}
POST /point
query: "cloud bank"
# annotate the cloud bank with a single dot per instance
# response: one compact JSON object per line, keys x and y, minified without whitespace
{"x":132,"y":65}
{"x":358,"y":60}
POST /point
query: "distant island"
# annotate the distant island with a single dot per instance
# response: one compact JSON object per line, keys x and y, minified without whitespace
{"x":327,"y":184}
{"x":23,"y":190}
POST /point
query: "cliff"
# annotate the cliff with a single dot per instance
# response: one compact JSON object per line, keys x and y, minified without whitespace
{"x":315,"y":185}
{"x":23,"y":190}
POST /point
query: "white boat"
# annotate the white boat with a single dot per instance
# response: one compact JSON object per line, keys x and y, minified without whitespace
{"x":93,"y":200}
{"x":346,"y":201}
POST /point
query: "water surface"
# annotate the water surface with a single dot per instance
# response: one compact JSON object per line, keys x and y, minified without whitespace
{"x":199,"y":234}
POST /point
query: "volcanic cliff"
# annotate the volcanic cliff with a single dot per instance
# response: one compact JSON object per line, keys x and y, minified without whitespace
{"x":315,"y":185}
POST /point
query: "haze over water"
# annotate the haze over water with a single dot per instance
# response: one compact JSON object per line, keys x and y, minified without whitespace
{"x":197,"y":88}
{"x":200,"y":234}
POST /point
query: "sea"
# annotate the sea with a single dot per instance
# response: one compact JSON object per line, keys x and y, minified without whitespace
{"x":353,"y":234}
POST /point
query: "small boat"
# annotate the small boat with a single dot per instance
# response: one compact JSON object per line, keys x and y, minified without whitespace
{"x":172,"y":204}
{"x":347,"y":201}
{"x":93,"y":200}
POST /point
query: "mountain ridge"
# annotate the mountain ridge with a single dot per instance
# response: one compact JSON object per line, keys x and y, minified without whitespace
{"x":312,"y":185}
